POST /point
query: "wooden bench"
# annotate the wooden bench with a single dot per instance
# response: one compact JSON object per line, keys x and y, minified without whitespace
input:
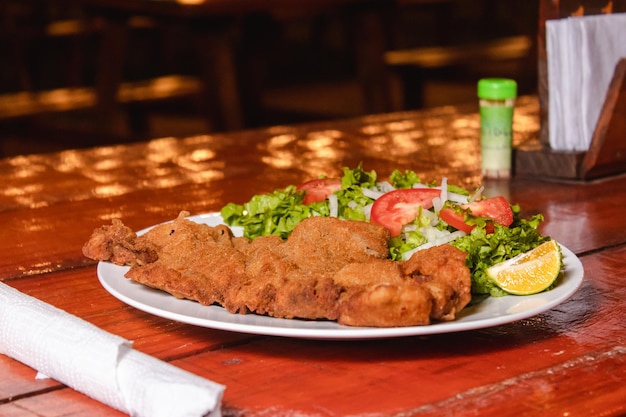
{"x":20,"y":26}
{"x":25,"y":104}
{"x":409,"y":68}
{"x":515,"y":47}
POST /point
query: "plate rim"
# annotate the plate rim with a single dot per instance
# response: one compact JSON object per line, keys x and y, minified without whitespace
{"x":111,"y":277}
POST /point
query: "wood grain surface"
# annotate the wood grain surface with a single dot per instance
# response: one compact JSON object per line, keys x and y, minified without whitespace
{"x":569,"y":361}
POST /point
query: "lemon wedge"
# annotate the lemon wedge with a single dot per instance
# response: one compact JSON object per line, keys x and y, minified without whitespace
{"x":529,"y":272}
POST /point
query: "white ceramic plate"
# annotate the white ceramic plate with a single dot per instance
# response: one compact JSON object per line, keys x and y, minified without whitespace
{"x":491,"y":312}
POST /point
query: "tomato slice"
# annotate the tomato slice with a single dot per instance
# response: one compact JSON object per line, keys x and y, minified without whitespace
{"x":497,"y":209}
{"x":399,"y":207}
{"x":455,"y":219}
{"x":319,"y":189}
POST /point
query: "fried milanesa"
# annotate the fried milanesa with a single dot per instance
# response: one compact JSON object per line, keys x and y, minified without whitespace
{"x":328,"y":269}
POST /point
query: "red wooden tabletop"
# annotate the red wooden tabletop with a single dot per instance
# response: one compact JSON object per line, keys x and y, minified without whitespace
{"x":568,"y":361}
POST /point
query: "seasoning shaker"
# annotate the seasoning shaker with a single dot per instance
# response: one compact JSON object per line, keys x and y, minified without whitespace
{"x":497,"y":100}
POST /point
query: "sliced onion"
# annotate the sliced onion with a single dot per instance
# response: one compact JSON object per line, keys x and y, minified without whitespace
{"x":333,"y":205}
{"x":420,"y":185}
{"x":444,"y":190}
{"x":477,"y":195}
{"x":458,"y":198}
{"x":373,"y":194}
{"x":437,"y":204}
{"x":385,"y":186}
{"x":443,"y":238}
{"x":367,"y":210}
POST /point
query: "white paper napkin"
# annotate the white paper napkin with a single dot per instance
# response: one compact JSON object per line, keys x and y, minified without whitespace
{"x":582,"y":55}
{"x":99,"y":364}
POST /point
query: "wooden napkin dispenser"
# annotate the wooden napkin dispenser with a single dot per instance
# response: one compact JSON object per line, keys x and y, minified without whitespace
{"x":606,"y":154}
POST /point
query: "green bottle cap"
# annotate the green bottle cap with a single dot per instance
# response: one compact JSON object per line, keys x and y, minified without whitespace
{"x":497,"y":88}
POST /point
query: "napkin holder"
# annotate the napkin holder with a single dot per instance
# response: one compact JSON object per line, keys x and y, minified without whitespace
{"x":607,"y":152}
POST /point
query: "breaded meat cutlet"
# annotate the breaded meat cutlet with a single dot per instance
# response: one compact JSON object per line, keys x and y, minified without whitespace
{"x":275,"y":286}
{"x":328,"y":269}
{"x":197,"y":262}
{"x":117,"y":243}
{"x":433,"y":285}
{"x":327,"y":244}
{"x":443,"y":272}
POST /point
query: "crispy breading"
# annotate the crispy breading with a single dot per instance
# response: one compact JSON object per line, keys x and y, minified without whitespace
{"x":386,"y":305}
{"x":326,"y":244}
{"x":443,"y":272}
{"x":328,"y":269}
{"x":195,"y":261}
{"x":433,"y":285}
{"x":117,"y":243}
{"x":378,"y":294}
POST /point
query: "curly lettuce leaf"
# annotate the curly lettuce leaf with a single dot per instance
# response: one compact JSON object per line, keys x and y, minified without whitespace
{"x":276,"y":213}
{"x":485,"y":250}
{"x":404,"y":179}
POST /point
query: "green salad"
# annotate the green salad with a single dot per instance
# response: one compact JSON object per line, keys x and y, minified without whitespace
{"x":418,"y":216}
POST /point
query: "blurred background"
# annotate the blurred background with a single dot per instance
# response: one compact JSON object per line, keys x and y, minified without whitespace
{"x":82,"y":73}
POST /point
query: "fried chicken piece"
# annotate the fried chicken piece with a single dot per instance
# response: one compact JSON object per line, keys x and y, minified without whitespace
{"x":328,"y":269}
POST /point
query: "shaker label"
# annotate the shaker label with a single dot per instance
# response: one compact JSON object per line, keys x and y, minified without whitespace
{"x":496,"y":137}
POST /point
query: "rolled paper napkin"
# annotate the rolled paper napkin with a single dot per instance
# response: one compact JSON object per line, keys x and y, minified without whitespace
{"x":99,"y":364}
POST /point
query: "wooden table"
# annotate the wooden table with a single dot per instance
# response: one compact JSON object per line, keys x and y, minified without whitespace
{"x":569,"y":361}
